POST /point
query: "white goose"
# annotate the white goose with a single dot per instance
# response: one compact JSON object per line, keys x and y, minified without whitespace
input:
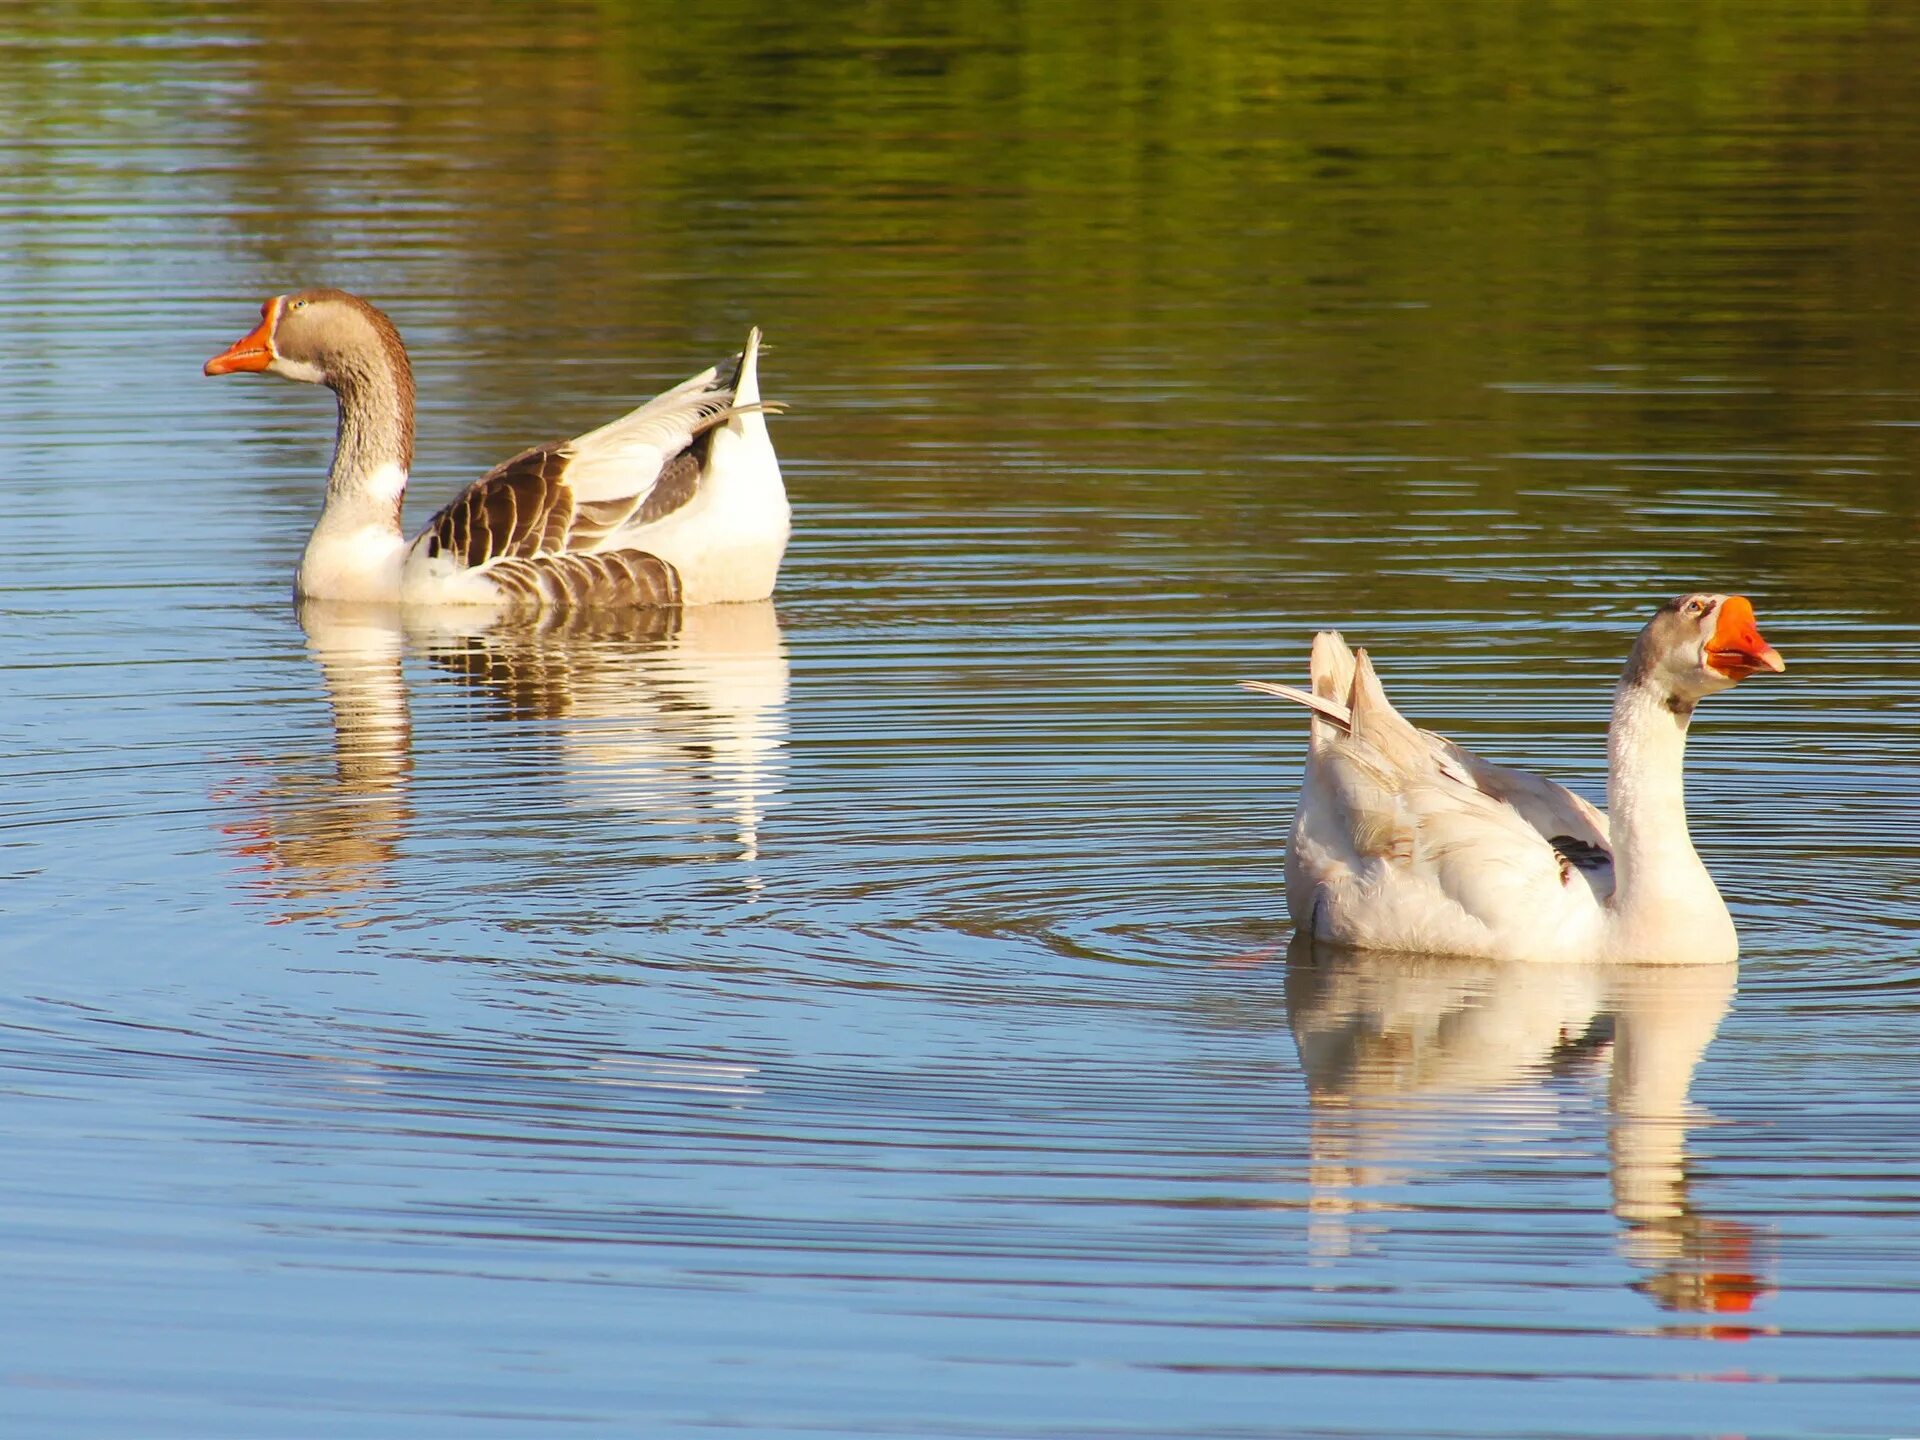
{"x":678,"y":503}
{"x":1405,"y":841}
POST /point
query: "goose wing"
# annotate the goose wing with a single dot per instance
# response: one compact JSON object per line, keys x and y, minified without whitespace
{"x":580,"y":496}
{"x":1550,"y":808}
{"x":1405,"y":839}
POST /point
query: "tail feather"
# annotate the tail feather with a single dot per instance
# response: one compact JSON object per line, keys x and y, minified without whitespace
{"x":1330,"y":670}
{"x":1348,"y":699}
{"x":1330,"y":673}
{"x":1332,"y":710}
{"x":1366,"y":701}
{"x":1381,"y":726}
{"x":746,"y":384}
{"x":746,"y":418}
{"x":1331,"y":666}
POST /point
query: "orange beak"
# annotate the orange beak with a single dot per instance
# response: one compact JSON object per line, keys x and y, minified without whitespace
{"x":1737,"y":649}
{"x":252,"y":351}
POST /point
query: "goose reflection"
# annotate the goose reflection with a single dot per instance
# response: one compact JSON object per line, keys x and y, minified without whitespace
{"x":670,"y":717}
{"x":308,"y":832}
{"x":1392,"y":1044}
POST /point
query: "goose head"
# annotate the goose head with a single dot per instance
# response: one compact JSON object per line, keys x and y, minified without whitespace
{"x":1699,"y":644}
{"x":325,"y":337}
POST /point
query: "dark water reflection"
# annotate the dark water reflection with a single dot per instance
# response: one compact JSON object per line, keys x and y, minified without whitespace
{"x":839,"y":1016}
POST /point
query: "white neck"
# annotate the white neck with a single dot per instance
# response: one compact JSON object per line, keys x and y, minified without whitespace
{"x":356,"y":549}
{"x":1665,"y":905}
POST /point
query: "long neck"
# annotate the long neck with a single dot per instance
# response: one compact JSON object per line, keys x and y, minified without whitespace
{"x":357,"y":549}
{"x":373,"y":450}
{"x":1661,"y":890}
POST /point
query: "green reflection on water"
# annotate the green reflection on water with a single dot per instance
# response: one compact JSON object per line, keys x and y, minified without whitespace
{"x":1618,"y":297}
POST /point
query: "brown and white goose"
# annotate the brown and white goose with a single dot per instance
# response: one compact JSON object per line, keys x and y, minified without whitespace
{"x":678,"y":503}
{"x":1405,"y":841}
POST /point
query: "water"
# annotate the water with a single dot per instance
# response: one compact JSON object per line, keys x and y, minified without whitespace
{"x":872,"y":1012}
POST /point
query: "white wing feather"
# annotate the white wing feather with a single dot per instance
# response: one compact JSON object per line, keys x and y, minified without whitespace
{"x":1405,"y":840}
{"x":623,"y":460}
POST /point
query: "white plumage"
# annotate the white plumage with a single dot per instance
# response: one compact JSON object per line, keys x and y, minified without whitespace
{"x":1405,"y":841}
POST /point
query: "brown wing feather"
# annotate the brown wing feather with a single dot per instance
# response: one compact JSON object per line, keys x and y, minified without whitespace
{"x":525,"y":507}
{"x":523,"y":524}
{"x":678,"y":482}
{"x":520,"y":508}
{"x":576,"y":581}
{"x":679,"y":478}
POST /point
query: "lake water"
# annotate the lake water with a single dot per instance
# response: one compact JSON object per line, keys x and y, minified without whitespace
{"x":871,"y":1013}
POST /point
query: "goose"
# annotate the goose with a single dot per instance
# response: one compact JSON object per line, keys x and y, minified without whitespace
{"x":1405,"y":841}
{"x":679,"y":502}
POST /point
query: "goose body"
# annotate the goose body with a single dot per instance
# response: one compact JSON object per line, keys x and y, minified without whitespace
{"x":1406,"y":841}
{"x":679,"y":502}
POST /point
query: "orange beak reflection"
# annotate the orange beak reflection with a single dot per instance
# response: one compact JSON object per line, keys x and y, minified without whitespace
{"x":252,"y":351}
{"x":1737,"y":648}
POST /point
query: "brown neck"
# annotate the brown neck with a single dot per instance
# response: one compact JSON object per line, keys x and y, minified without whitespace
{"x":375,"y":393}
